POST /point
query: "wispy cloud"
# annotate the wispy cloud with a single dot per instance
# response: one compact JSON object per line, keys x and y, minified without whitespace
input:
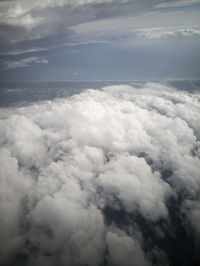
{"x":155,"y":33}
{"x":7,"y":65}
{"x":39,"y":19}
{"x":154,"y":24}
{"x":25,"y":51}
{"x":178,"y":3}
{"x":45,"y":29}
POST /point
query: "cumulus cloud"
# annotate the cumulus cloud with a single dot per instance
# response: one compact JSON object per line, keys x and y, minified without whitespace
{"x":102,"y":177}
{"x":124,"y":250}
{"x":192,"y":211}
{"x":13,"y":188}
{"x":6,"y":65}
{"x":139,"y":180}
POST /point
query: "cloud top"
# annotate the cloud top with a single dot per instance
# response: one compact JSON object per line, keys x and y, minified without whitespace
{"x":91,"y":179}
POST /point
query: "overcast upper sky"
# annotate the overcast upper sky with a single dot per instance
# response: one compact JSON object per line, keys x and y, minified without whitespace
{"x":99,"y":40}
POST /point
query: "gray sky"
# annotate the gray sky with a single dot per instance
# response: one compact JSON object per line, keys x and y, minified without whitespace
{"x":99,"y":40}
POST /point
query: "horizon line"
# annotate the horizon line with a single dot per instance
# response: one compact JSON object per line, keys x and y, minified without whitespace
{"x":122,"y":80}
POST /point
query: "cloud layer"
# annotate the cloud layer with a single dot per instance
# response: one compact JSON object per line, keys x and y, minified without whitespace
{"x":101,"y":178}
{"x":124,"y":33}
{"x":25,"y":21}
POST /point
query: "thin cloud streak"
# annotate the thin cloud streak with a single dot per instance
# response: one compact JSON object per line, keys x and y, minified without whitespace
{"x":7,"y":65}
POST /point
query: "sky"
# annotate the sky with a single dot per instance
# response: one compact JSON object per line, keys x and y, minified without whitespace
{"x":99,"y":40}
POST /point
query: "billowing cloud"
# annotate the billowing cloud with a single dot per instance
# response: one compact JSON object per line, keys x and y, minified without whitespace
{"x":101,"y":178}
{"x":124,"y":250}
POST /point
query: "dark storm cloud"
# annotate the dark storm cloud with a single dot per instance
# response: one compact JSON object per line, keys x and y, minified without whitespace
{"x":101,"y":178}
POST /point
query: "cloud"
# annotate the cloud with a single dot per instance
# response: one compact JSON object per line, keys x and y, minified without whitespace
{"x":156,"y":33}
{"x":7,"y":65}
{"x":13,"y":188}
{"x":193,"y":214}
{"x":49,"y":25}
{"x":178,"y":3}
{"x":25,"y":51}
{"x":155,"y":24}
{"x":124,"y":250}
{"x":48,"y":18}
{"x":104,"y":176}
{"x":140,"y":179}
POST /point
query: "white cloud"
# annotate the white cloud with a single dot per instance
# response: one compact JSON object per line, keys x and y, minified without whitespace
{"x":139,"y":181}
{"x":23,"y":63}
{"x":178,"y":3}
{"x":124,"y":250}
{"x":14,"y":186}
{"x":17,"y":15}
{"x":25,"y":51}
{"x":39,"y":19}
{"x":156,"y":33}
{"x":193,"y":214}
{"x":74,"y":227}
{"x":64,"y":161}
{"x":132,"y":30}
